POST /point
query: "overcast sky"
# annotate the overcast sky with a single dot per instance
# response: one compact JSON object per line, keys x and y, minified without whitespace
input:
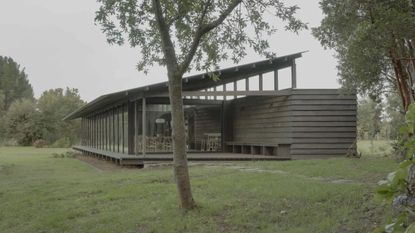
{"x":60,"y":46}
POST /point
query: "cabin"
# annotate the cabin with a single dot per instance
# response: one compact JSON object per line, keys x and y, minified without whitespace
{"x":223,"y":121}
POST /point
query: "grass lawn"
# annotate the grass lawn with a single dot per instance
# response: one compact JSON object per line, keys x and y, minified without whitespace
{"x":40,"y":193}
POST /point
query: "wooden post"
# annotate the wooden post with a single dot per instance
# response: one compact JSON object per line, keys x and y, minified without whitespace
{"x":247,"y":84}
{"x":136,"y":127}
{"x":106,"y":129}
{"x":123,"y":128}
{"x":103,"y":130}
{"x":235,"y":88}
{"x":294,"y":75}
{"x":94,"y":132}
{"x":261,"y":82}
{"x":144,"y":126}
{"x":99,"y":130}
{"x":81,"y":136}
{"x":109,"y":131}
{"x":117,"y":110}
{"x":87,"y":133}
{"x":113,"y":129}
{"x":214,"y":89}
{"x":224,"y":89}
{"x":132,"y":128}
{"x":276,"y":80}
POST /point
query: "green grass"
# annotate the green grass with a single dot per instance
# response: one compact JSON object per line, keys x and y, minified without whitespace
{"x":39,"y":193}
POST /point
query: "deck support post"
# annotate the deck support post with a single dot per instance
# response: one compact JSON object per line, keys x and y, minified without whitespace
{"x":294,"y":75}
{"x":144,"y":127}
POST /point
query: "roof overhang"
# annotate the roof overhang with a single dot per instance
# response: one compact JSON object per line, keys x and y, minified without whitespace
{"x":190,"y":83}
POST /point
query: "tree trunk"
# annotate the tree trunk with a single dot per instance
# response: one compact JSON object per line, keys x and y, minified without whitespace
{"x":181,"y":171}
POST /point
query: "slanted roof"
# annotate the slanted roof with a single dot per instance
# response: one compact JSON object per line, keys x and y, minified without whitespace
{"x":190,"y":83}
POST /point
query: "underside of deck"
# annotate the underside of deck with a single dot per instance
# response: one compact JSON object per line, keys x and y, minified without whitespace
{"x":139,"y":160}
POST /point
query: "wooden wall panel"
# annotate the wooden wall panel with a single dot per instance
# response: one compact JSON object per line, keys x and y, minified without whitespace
{"x":315,"y":122}
{"x":207,"y":120}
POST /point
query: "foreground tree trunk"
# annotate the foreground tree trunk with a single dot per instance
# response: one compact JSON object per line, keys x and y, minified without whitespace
{"x":181,"y":171}
{"x":175,"y":75}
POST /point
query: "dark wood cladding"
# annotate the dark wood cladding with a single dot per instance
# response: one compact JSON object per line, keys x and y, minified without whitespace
{"x":296,"y":123}
{"x":312,"y":122}
{"x":206,"y":120}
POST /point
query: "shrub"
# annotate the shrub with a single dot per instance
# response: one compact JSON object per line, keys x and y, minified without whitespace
{"x":62,"y":143}
{"x":39,"y":143}
{"x":67,"y":154}
{"x":8,"y":142}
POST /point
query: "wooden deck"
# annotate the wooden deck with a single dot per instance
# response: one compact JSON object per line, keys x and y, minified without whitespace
{"x":139,"y":160}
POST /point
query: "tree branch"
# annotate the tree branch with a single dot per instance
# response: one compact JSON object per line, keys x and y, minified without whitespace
{"x":167,"y":44}
{"x":204,"y":29}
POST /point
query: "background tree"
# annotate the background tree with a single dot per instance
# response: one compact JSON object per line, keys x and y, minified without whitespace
{"x":374,"y":41}
{"x":369,"y":118}
{"x":53,"y":106}
{"x":187,"y":34}
{"x":14,"y":84}
{"x":394,"y":115}
{"x":21,"y":122}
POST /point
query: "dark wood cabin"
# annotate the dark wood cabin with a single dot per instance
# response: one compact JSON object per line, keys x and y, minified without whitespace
{"x":223,"y":122}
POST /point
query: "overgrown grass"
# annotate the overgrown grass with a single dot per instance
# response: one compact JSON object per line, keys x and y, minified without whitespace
{"x":375,"y":147}
{"x":40,"y":193}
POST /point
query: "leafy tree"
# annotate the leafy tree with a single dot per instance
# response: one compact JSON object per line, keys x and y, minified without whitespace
{"x":395,"y":116}
{"x":375,"y":45}
{"x":14,"y":84}
{"x":54,"y":105}
{"x":21,"y":122}
{"x":374,"y":41}
{"x":369,"y":119}
{"x":187,"y":34}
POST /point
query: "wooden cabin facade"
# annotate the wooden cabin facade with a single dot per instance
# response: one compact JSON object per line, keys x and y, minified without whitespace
{"x":221,"y":119}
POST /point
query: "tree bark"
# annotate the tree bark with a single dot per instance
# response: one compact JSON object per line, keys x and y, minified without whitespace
{"x":181,"y":171}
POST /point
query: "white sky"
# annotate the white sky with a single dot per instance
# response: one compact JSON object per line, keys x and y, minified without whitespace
{"x":60,"y":46}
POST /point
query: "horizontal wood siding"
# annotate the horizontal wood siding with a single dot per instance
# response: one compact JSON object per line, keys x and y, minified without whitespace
{"x":206,"y":120}
{"x":336,"y":110}
{"x":262,"y":120}
{"x":315,"y":122}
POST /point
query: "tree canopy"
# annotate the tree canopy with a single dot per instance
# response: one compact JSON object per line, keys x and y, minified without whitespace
{"x":374,"y":41}
{"x":54,"y":105}
{"x":14,"y":84}
{"x":29,"y":120}
{"x":207,"y":31}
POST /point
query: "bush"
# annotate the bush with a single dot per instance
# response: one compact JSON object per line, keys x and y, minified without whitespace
{"x":67,"y":154}
{"x":8,"y":142}
{"x":62,"y":143}
{"x":39,"y":143}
